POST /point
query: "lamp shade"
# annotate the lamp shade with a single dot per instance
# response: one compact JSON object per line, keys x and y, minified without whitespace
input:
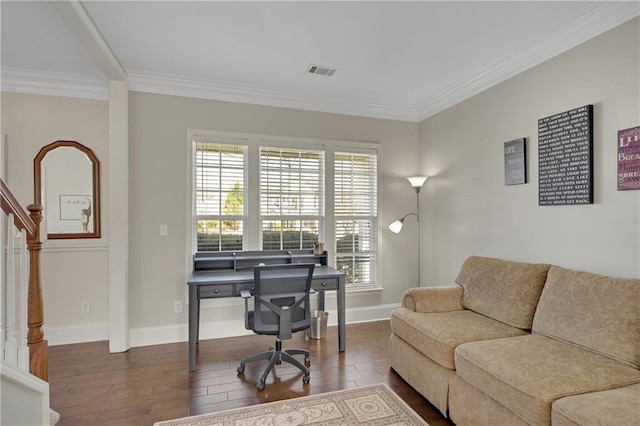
{"x":396,"y":226}
{"x":417,"y":181}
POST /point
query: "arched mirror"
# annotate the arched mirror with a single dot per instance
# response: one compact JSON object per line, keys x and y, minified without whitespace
{"x":67,"y":185}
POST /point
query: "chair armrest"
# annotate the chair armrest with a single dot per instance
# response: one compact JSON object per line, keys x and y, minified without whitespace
{"x":433,"y":299}
{"x":245,"y":294}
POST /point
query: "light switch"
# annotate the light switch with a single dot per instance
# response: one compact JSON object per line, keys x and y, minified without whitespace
{"x":164,"y":230}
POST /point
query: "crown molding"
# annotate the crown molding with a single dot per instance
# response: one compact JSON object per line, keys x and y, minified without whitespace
{"x":166,"y":84}
{"x":35,"y":82}
{"x":601,"y":18}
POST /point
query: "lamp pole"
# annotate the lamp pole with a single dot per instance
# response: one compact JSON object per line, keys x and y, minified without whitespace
{"x":417,"y":182}
{"x":396,"y":227}
{"x":417,"y":188}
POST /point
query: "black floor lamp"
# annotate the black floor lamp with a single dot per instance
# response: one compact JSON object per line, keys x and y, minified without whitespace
{"x":396,"y":227}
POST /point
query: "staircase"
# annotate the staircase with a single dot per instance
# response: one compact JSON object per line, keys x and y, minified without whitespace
{"x":24,"y":391}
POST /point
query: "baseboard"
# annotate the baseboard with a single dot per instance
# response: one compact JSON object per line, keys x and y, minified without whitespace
{"x":147,"y":336}
{"x":81,"y":334}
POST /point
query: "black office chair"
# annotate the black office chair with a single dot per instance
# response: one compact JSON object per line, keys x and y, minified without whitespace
{"x":281,"y":306}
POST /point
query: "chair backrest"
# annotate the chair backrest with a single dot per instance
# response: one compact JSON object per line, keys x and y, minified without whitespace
{"x":281,"y":298}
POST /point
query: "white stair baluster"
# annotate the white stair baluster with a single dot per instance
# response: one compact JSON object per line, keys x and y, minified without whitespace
{"x":21,"y":310}
{"x":11,"y":346}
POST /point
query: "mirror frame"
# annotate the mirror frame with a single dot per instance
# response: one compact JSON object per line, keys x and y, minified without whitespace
{"x":95,"y":166}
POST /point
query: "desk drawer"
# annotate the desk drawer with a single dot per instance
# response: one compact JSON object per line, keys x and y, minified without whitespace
{"x":324,"y":284}
{"x":209,"y":291}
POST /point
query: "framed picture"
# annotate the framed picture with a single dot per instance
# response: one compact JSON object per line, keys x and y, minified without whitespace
{"x":629,"y":159}
{"x":515,"y":162}
{"x":565,"y":158}
{"x":72,"y":206}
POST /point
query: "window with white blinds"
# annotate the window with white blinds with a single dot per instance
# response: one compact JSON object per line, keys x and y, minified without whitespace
{"x":260,"y":192}
{"x":356,"y":216}
{"x":291,"y":198}
{"x":219,"y":195}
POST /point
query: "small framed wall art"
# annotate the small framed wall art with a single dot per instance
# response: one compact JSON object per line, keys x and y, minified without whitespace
{"x":629,"y":159}
{"x":515,"y":162}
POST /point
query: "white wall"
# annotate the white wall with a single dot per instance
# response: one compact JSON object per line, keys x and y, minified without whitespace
{"x":72,"y":270}
{"x":469,"y":210}
{"x":465,"y":207}
{"x":158,"y":148}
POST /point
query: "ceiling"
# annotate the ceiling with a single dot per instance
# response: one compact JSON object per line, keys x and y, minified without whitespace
{"x":396,"y":60}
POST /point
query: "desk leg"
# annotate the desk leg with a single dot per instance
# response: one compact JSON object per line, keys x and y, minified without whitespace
{"x":321,"y":300}
{"x":194,"y":313}
{"x":341,"y":316}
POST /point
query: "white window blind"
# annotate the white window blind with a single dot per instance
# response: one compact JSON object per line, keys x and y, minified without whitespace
{"x":219,"y":195}
{"x":356,"y":211}
{"x":291,"y":198}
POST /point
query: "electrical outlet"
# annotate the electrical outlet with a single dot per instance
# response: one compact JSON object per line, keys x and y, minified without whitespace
{"x":164,"y":230}
{"x":85,"y":307}
{"x":177,"y":306}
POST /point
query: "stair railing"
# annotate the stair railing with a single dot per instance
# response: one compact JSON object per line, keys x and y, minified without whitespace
{"x":22,"y":308}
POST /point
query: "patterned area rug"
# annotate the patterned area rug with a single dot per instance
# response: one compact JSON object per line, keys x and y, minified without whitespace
{"x":371,"y":405}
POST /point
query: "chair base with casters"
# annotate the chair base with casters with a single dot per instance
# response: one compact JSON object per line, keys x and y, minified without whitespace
{"x":276,"y":356}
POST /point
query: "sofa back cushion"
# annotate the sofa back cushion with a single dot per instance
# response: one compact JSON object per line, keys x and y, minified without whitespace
{"x":598,"y":313}
{"x":501,"y":289}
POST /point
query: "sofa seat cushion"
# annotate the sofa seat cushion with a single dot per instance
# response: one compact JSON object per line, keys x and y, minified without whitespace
{"x":613,"y":407}
{"x":436,"y":335}
{"x":527,"y":373}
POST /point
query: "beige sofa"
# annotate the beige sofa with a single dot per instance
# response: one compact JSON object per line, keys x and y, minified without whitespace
{"x":523,"y":344}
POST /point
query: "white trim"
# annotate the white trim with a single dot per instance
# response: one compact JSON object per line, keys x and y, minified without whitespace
{"x":601,"y":18}
{"x":254,"y":142}
{"x":210,"y":330}
{"x":176,"y":85}
{"x":70,"y":246}
{"x":80,"y":23}
{"x":118,"y":216}
{"x":221,"y":329}
{"x":77,"y":334}
{"x":26,"y":380}
{"x":20,"y":80}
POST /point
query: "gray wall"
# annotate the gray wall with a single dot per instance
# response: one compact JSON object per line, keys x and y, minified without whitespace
{"x":468,"y":208}
{"x":75,"y":270}
{"x":465,"y":207}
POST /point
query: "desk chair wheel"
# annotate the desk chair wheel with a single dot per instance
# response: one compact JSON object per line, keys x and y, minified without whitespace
{"x":305,"y":379}
{"x":260,"y":385}
{"x":240,"y":369}
{"x":307,"y":361}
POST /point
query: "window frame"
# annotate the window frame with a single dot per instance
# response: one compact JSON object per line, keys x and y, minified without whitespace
{"x":252,"y":238}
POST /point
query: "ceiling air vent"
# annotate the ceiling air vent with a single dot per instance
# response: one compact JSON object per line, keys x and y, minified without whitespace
{"x":321,"y":70}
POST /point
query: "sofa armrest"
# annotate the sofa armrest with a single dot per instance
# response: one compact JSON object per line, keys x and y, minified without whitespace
{"x":433,"y":299}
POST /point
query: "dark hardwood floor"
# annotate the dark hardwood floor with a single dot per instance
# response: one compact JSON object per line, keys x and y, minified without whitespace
{"x":148,"y":384}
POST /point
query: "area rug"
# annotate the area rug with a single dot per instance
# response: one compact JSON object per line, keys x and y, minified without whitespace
{"x":371,"y":405}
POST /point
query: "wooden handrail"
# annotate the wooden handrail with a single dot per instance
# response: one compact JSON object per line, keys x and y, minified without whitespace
{"x":11,"y":206}
{"x":38,"y":358}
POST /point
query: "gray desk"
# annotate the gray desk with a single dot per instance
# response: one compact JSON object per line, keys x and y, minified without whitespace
{"x":215,"y":277}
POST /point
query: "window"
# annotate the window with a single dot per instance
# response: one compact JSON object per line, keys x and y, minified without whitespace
{"x":291,"y":194}
{"x":356,"y":209}
{"x":219,"y":196}
{"x":254,"y":192}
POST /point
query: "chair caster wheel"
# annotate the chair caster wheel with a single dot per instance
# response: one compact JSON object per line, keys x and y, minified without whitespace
{"x":305,"y":379}
{"x":260,"y":385}
{"x":307,"y":360}
{"x":240,"y":369}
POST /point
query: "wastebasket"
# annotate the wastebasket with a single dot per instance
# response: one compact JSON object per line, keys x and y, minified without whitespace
{"x":318,"y":329}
